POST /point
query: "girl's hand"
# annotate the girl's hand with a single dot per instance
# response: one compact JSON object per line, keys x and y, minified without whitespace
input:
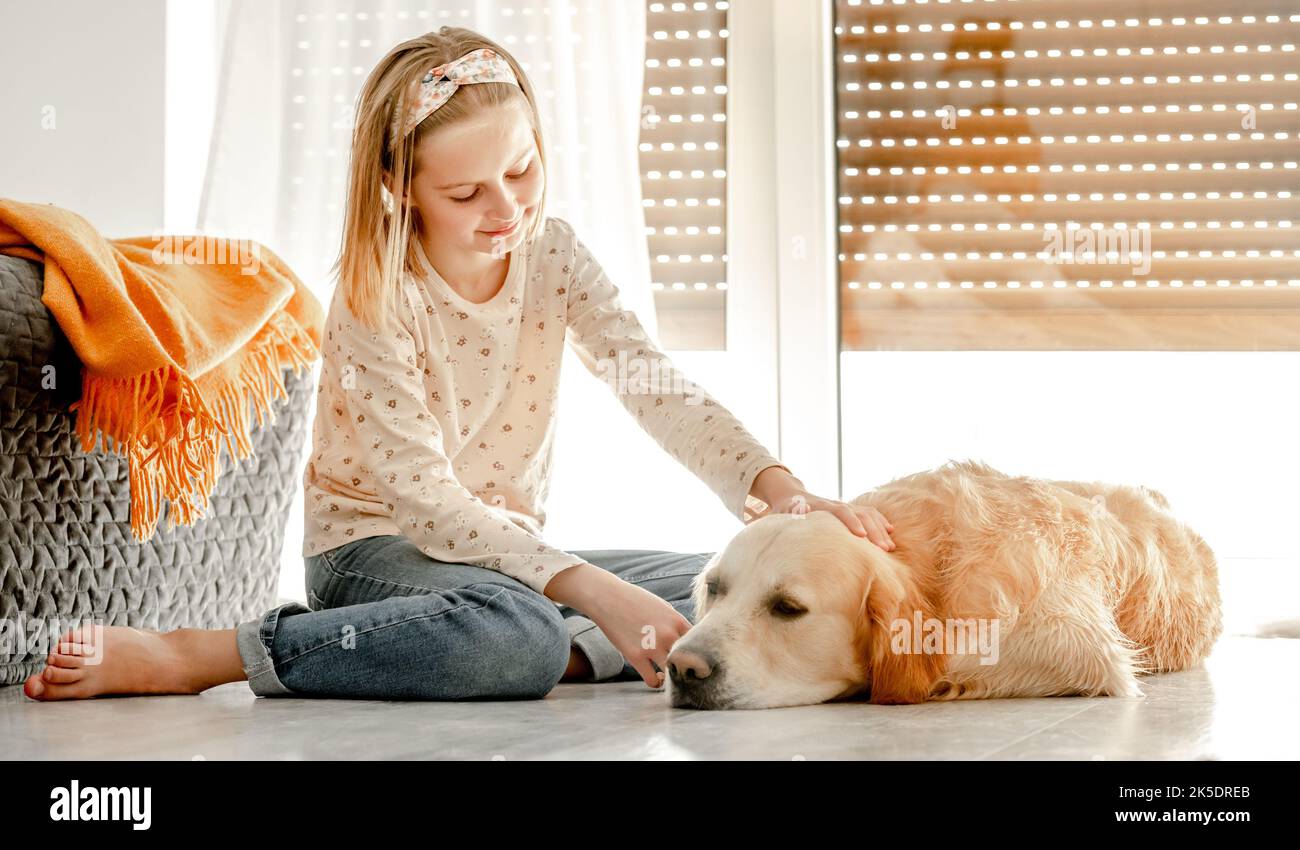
{"x":862,"y":520}
{"x":641,"y":626}
{"x":785,"y":494}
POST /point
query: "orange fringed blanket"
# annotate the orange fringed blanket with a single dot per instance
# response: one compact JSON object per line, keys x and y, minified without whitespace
{"x":174,"y":335}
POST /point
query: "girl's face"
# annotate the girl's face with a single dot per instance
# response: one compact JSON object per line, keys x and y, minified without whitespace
{"x":475,"y":177}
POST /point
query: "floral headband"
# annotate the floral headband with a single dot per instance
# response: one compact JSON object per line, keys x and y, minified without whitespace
{"x":437,"y":86}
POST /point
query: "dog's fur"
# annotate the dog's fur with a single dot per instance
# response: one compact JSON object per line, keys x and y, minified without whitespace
{"x":1090,"y":585}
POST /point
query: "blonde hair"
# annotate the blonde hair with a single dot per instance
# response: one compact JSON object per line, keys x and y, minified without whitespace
{"x":379,"y":228}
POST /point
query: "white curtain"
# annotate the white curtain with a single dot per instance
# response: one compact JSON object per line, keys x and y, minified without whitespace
{"x":289,"y":73}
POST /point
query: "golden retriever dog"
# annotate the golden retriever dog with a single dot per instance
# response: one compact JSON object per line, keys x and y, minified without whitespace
{"x":998,"y":586}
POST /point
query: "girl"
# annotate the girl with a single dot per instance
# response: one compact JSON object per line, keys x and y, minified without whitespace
{"x":427,"y":576}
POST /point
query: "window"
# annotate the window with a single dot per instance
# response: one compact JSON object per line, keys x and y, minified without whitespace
{"x":1081,"y":175}
{"x":684,"y":170}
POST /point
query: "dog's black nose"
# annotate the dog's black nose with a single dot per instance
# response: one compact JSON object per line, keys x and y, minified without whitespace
{"x":687,"y":668}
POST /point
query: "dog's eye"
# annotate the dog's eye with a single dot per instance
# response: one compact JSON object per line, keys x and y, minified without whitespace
{"x":711,"y":587}
{"x":789,"y":610}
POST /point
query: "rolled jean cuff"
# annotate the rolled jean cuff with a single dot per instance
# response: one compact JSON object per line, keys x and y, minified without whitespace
{"x":254,"y":640}
{"x":606,"y":661}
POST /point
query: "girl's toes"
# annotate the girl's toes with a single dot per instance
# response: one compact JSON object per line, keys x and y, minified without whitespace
{"x":38,"y":688}
{"x":75,"y":635}
{"x":75,"y":648}
{"x":34,"y":687}
{"x":80,"y":640}
{"x":61,"y":675}
{"x":58,"y":659}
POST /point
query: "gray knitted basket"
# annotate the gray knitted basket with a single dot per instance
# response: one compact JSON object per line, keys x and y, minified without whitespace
{"x":66,"y":549}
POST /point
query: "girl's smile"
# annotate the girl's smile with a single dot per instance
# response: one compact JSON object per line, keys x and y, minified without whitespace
{"x":504,"y":231}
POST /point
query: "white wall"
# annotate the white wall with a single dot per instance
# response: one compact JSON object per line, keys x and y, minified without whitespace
{"x":82,"y":83}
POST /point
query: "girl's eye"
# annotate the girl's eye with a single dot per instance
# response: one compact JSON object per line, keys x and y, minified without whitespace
{"x":466,"y":200}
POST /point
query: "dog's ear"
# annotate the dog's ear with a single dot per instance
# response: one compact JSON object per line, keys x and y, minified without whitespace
{"x":900,"y":671}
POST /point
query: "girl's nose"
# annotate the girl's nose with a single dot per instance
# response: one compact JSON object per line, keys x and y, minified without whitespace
{"x":505,"y":209}
{"x":504,"y":219}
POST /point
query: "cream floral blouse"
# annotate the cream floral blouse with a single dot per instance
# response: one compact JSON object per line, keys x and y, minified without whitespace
{"x":443,"y":430}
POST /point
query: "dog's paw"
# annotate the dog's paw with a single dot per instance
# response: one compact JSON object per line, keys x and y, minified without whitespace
{"x":1126,"y":687}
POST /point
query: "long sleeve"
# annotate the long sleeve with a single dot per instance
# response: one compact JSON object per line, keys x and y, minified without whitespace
{"x":401,"y":443}
{"x":680,"y":415}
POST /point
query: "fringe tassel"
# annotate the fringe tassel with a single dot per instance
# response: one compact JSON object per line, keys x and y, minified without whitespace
{"x":174,"y":453}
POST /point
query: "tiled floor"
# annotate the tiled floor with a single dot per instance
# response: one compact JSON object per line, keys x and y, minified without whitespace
{"x":1240,"y":705}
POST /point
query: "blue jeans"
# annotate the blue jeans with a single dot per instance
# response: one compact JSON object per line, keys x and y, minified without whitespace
{"x":386,"y":621}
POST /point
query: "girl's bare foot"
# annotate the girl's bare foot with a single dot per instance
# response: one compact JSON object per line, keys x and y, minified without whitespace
{"x":93,"y":660}
{"x":579,"y":669}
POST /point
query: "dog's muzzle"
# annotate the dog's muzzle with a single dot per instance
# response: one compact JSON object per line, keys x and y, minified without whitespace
{"x":695,"y":679}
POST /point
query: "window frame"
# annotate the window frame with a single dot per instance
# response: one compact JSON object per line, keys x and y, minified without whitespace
{"x":782,"y":219}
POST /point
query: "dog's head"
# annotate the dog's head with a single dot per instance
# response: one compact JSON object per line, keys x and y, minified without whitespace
{"x":798,"y":610}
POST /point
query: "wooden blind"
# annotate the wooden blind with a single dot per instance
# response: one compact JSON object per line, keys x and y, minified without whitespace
{"x":683,"y":170}
{"x":1068,"y":174}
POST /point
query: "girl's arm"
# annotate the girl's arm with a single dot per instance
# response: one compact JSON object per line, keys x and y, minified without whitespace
{"x":681,"y":416}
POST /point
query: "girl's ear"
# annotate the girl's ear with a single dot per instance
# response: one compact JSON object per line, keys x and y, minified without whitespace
{"x":900,"y":668}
